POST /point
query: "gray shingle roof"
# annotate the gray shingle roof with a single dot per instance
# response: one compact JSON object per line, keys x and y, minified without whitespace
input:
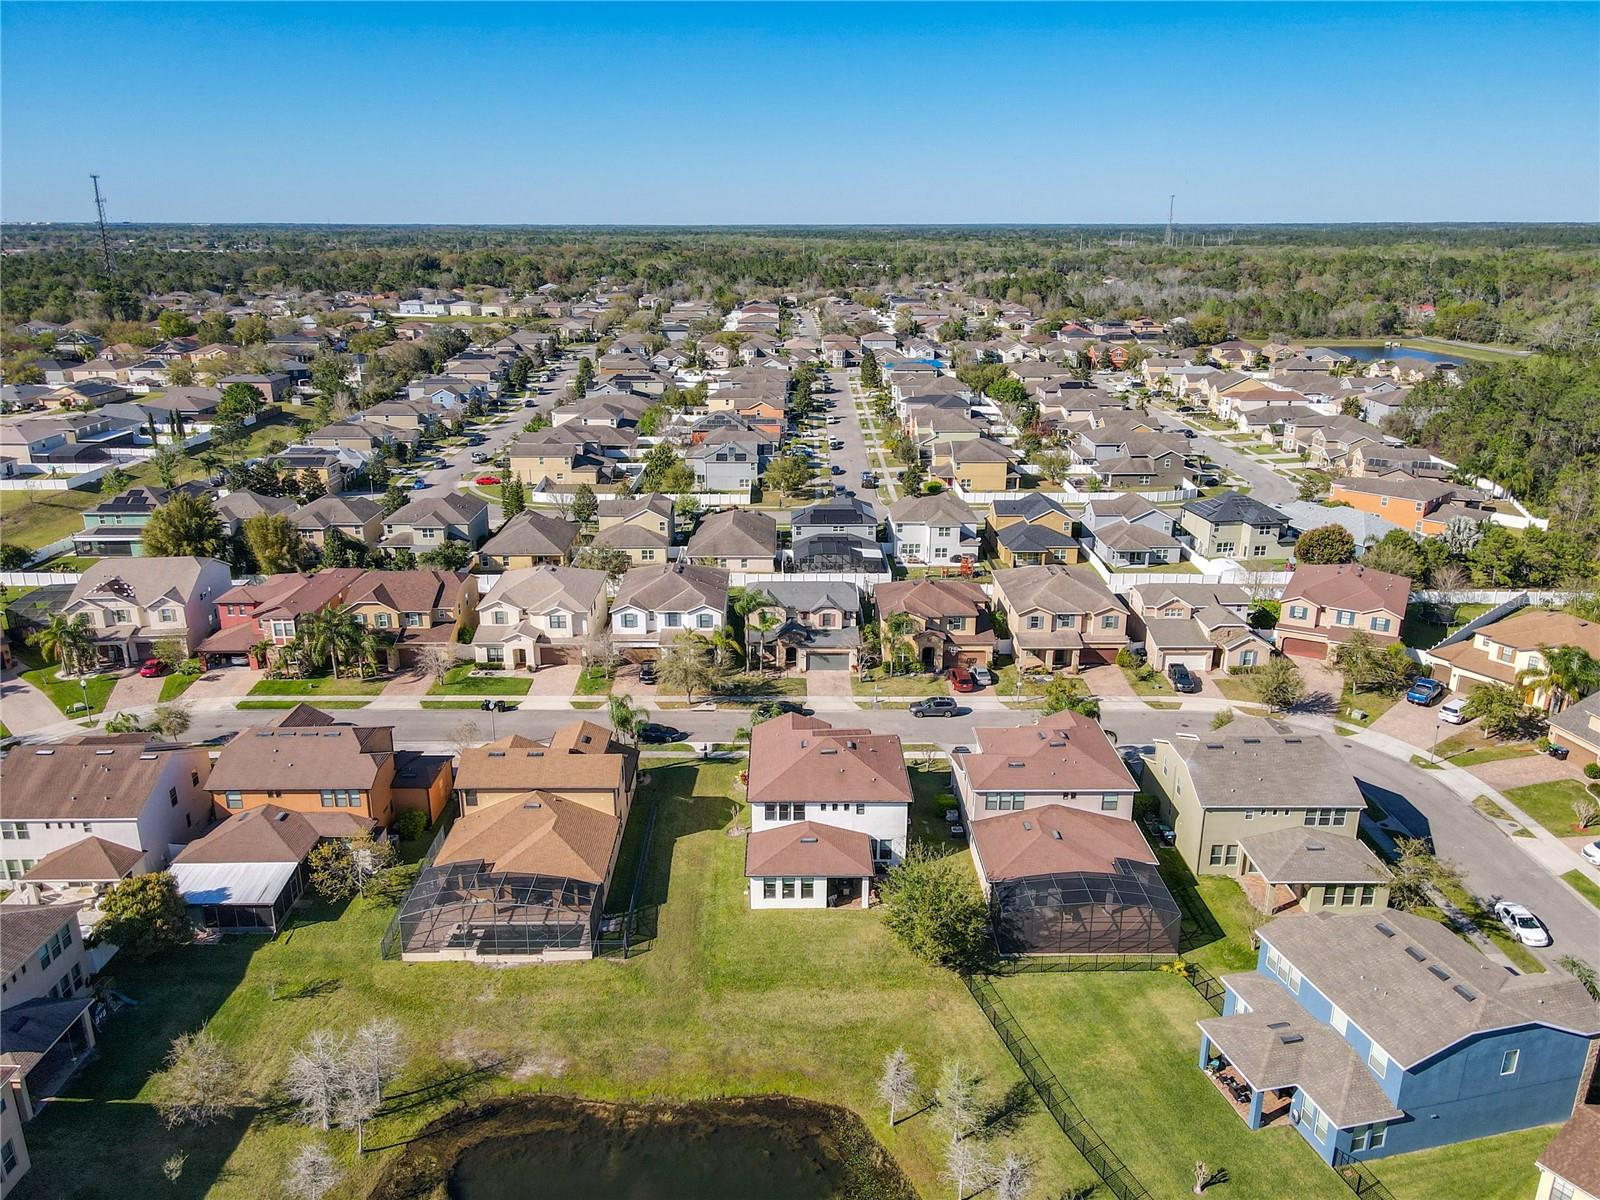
{"x":1232,"y":508}
{"x":1268,"y":771}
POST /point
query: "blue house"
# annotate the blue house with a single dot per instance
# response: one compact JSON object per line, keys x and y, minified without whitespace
{"x":1381,"y":1033}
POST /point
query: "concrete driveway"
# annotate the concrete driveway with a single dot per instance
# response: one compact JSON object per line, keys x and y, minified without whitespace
{"x":223,"y":683}
{"x":829,"y":683}
{"x":1507,"y":773}
{"x":133,"y":690}
{"x":24,"y":708}
{"x":556,"y":680}
{"x":1414,"y":724}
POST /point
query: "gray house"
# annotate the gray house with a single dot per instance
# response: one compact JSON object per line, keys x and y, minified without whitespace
{"x":731,"y":466}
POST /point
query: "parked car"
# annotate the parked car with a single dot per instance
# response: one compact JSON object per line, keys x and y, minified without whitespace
{"x":487,"y":479}
{"x":418,"y":485}
{"x":1557,"y":752}
{"x":152,"y":667}
{"x":1183,"y":680}
{"x":1591,"y":853}
{"x":768,"y":709}
{"x":984,"y":676}
{"x":647,"y":671}
{"x":1426,"y":691}
{"x":1453,"y":712}
{"x":528,"y":403}
{"x":936,"y":706}
{"x":1189,"y":433}
{"x":659,"y":735}
{"x":478,"y":456}
{"x":1522,"y":924}
{"x":961,"y":680}
{"x":836,"y":469}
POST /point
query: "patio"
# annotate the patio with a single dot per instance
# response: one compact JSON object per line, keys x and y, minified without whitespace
{"x":1241,"y":1096}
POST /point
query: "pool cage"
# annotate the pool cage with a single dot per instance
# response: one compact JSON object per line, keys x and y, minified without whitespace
{"x":467,"y":910}
{"x":1126,"y":911}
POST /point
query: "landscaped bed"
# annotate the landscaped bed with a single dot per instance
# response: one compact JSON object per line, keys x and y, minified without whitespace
{"x":460,"y":681}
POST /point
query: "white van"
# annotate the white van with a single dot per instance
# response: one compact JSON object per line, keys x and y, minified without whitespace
{"x":1453,"y":711}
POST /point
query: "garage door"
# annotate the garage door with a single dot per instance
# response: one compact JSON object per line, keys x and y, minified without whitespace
{"x":1303,"y":648}
{"x":557,"y":656}
{"x":1092,"y":657}
{"x":827,"y":662}
{"x":1195,"y":660}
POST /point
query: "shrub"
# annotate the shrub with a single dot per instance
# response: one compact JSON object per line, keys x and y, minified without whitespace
{"x":1592,"y":770}
{"x":411,"y":824}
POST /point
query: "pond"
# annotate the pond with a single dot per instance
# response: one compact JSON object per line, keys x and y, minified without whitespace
{"x":526,"y":1147}
{"x":1398,"y":354}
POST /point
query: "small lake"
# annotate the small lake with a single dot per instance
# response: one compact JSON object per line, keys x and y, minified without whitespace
{"x":530,"y":1147}
{"x":1398,"y":354}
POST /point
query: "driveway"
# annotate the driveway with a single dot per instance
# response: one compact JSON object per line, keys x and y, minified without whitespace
{"x":1414,"y":724}
{"x":409,"y":683}
{"x":133,"y":690}
{"x":556,"y":681}
{"x":829,"y":683}
{"x":223,"y":683}
{"x":1107,"y":681}
{"x":1506,"y":773}
{"x":24,"y":708}
{"x":1323,"y":686}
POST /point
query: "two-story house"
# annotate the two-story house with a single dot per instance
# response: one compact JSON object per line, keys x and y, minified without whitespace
{"x":727,"y":465}
{"x":806,"y":852}
{"x":1323,"y":605}
{"x":1383,"y":1033}
{"x":113,"y":528}
{"x":806,"y":626}
{"x":1034,"y":530}
{"x":358,"y":518}
{"x":44,"y":978}
{"x":1224,"y":796}
{"x":271,"y":611}
{"x":1499,"y":652}
{"x":1203,"y":626}
{"x":935,"y":623}
{"x":1232,"y":525}
{"x":975,"y":464}
{"x":133,"y":603}
{"x":937,"y":530}
{"x":539,"y":616}
{"x":653,"y":605}
{"x":1066,"y":759}
{"x":736,"y":539}
{"x":91,"y":807}
{"x":428,"y":523}
{"x":641,"y":526}
{"x":417,"y":608}
{"x":836,"y":534}
{"x":583,"y":763}
{"x":530,"y":539}
{"x":1423,"y":506}
{"x":1059,"y":617}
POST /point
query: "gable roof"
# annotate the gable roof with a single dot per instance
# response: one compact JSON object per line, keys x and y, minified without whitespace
{"x":539,"y":589}
{"x":806,"y":758}
{"x":941,"y":508}
{"x":446,"y":508}
{"x":533,"y":532}
{"x":325,"y":511}
{"x":419,"y":590}
{"x":1348,"y":585}
{"x":90,"y":780}
{"x":679,"y":587}
{"x":931,"y":598}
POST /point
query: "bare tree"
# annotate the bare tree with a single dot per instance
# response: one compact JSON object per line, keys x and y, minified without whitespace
{"x":600,"y":651}
{"x":1204,"y":1177}
{"x":958,"y":1100}
{"x":172,"y":1166}
{"x":437,"y":659}
{"x":198,"y":1084}
{"x":897,"y":1086}
{"x":313,"y":1173}
{"x":1014,"y":1179}
{"x":315,"y":1077}
{"x":964,"y":1166}
{"x":465,"y":735}
{"x":171,"y":720}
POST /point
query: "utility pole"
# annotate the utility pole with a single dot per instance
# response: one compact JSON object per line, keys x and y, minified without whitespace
{"x":1170,"y":199}
{"x":100,"y":212}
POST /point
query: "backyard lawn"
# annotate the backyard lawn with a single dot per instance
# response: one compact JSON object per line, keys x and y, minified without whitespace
{"x":460,"y":681}
{"x":726,"y":1001}
{"x":1550,"y":804}
{"x":320,"y":685}
{"x":1493,"y":1168}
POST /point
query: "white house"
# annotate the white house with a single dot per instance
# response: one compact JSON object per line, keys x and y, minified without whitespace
{"x":655,"y":604}
{"x":539,"y":616}
{"x":936,"y":530}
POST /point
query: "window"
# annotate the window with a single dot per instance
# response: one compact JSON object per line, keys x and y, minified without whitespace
{"x":234,"y":799}
{"x":788,"y":889}
{"x":13,"y":831}
{"x":327,"y":798}
{"x":956,"y":622}
{"x":1344,"y":617}
{"x":1108,"y":804}
{"x":383,"y":620}
{"x":412,"y":619}
{"x":1381,"y":624}
{"x":1325,"y":817}
{"x":705,"y":621}
{"x":558,"y":620}
{"x":1035,"y":621}
{"x":647,"y":555}
{"x":673,"y":620}
{"x":1284,"y":970}
{"x":1560,"y":1189}
{"x":1321,"y":1127}
{"x":1002,"y":801}
{"x":1224,"y":549}
{"x":808,"y":888}
{"x":499,"y":617}
{"x":1298,"y":612}
{"x":1369,"y":894}
{"x":194,"y":778}
{"x":172,"y":796}
{"x":1338,"y":1019}
{"x":1508,"y":1062}
{"x":1247,"y":659}
{"x":1378,"y":1060}
{"x":8,"y":1157}
{"x":769,"y":889}
{"x":494,"y":654}
{"x":630,"y":620}
{"x":1109,"y":621}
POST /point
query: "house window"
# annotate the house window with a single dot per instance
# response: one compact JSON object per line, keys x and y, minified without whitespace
{"x":673,"y":620}
{"x":1369,"y":894}
{"x":1284,"y":970}
{"x":647,"y":556}
{"x":13,"y":831}
{"x":1508,"y":1062}
{"x":704,"y":621}
{"x":630,"y":620}
{"x":1247,"y":659}
{"x":1381,"y":624}
{"x":494,"y":654}
{"x":167,"y":616}
{"x":1325,"y":817}
{"x":788,"y":889}
{"x":413,"y":619}
{"x":1224,"y":549}
{"x":1035,"y":622}
{"x":1298,"y":612}
{"x":234,"y":799}
{"x":1108,"y":804}
{"x":383,"y":620}
{"x":194,"y":778}
{"x":1338,"y":1019}
{"x":8,"y":1157}
{"x":1109,"y":621}
{"x":769,"y":889}
{"x":1379,"y":1061}
{"x":808,"y":888}
{"x":558,"y":620}
{"x":499,"y":617}
{"x":172,"y":796}
{"x":1560,"y":1189}
{"x":1344,"y":617}
{"x":1002,"y":801}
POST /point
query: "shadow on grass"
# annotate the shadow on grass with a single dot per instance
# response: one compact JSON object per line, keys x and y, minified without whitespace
{"x":1002,"y":1118}
{"x":1200,"y":926}
{"x":685,"y":803}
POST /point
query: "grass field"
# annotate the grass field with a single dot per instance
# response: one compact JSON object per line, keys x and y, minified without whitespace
{"x":727,"y":1001}
{"x":1550,"y":804}
{"x":1494,"y":1168}
{"x":594,"y":682}
{"x":1584,"y":886}
{"x":321,"y":685}
{"x":459,"y":681}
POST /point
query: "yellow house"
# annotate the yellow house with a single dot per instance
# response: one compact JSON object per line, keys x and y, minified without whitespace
{"x":1032,"y":531}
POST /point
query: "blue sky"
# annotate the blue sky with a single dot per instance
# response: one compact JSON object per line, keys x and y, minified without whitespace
{"x":800,"y":113}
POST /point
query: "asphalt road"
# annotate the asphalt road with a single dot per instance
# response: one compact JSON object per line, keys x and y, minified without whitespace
{"x":1266,"y":485}
{"x":853,"y":456}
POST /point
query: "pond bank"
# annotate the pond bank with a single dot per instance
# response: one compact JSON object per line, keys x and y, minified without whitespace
{"x":552,"y":1145}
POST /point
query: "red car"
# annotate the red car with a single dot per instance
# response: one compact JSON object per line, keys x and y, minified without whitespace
{"x":962,"y":681}
{"x":487,"y":479}
{"x":153,"y":667}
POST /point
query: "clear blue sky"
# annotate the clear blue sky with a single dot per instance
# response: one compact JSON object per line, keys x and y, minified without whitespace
{"x":802,"y":113}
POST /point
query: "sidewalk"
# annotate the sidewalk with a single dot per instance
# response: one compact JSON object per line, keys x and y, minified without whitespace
{"x":24,"y":708}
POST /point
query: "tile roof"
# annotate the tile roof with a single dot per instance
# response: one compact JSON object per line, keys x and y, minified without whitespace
{"x":1349,"y":585}
{"x":89,"y":860}
{"x":1300,"y":855}
{"x":535,"y":833}
{"x":1056,"y":839}
{"x":803,"y":758}
{"x":1252,"y":771}
{"x":1065,"y":751}
{"x":808,"y":848}
{"x":92,"y":780}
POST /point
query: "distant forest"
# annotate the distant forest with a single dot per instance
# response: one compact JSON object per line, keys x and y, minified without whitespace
{"x":1530,"y":285}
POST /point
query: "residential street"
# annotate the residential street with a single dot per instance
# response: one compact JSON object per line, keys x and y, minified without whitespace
{"x":1266,"y":485}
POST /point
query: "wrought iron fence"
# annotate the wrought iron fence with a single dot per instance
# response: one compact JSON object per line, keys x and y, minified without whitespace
{"x":1358,"y":1177}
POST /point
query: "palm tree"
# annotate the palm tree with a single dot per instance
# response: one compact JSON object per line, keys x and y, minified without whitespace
{"x":66,"y":640}
{"x":626,"y":717}
{"x":724,"y":642}
{"x":747,"y":600}
{"x":1568,"y":673}
{"x":331,"y":635}
{"x":900,"y":627}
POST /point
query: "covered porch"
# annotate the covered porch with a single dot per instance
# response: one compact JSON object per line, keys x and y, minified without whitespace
{"x":46,"y":1041}
{"x":1257,"y":1107}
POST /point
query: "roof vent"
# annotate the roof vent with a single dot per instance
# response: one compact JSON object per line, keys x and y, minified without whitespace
{"x":1056,"y":833}
{"x":1464,"y":992}
{"x":1289,"y":1039}
{"x":1015,"y":765}
{"x":1027,"y":825}
{"x":283,"y":816}
{"x":1413,"y":953}
{"x":1277,"y":1024}
{"x":830,"y":750}
{"x":809,"y":838}
{"x":100,"y":752}
{"x":44,"y":753}
{"x":1214,"y":746}
{"x":1384,"y":929}
{"x":147,"y":757}
{"x":1252,"y":741}
{"x":1058,"y":745}
{"x":532,"y":804}
{"x":1291,"y":741}
{"x":1315,"y":846}
{"x":497,"y":754}
{"x":1438,"y":972}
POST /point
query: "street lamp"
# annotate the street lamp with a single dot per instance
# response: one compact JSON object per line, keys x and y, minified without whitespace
{"x":1436,"y":724}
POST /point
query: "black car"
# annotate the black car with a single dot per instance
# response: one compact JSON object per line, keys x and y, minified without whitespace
{"x":768,"y":709}
{"x":659,"y":735}
{"x":936,"y":706}
{"x":1183,"y":679}
{"x":647,"y":672}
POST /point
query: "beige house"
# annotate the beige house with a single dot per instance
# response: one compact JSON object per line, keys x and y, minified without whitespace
{"x":951,"y":621}
{"x":1203,"y":626}
{"x":424,"y":607}
{"x":133,"y":603}
{"x":1066,"y":759}
{"x":640,"y":526}
{"x":530,"y":539}
{"x":1059,"y":617}
{"x":539,"y":616}
{"x":736,"y":539}
{"x":1500,"y":652}
{"x":581,"y":762}
{"x":1323,"y":606}
{"x":1267,"y":809}
{"x":356,"y":517}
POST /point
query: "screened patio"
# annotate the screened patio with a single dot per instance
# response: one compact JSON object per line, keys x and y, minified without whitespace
{"x":465,"y":910}
{"x":1129,"y":911}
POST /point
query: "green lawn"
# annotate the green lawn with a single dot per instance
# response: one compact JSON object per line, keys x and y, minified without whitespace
{"x":874,"y":682}
{"x":1236,"y":687}
{"x":321,"y":685}
{"x":1373,"y":704}
{"x":726,"y":1001}
{"x":1550,"y":804}
{"x":1217,"y":936}
{"x":1495,"y":812}
{"x":735,"y":687}
{"x":458,"y":704}
{"x":1584,"y":886}
{"x":257,"y":705}
{"x":594,"y":682}
{"x":1492,"y":1168}
{"x":1125,"y":1046}
{"x":1420,"y":633}
{"x":1148,"y":682}
{"x":176,"y":685}
{"x":460,"y":681}
{"x":1005,"y":683}
{"x":64,"y":693}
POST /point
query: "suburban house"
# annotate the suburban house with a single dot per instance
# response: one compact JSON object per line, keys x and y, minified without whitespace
{"x":1203,"y":626}
{"x":1577,"y":727}
{"x":235,"y":508}
{"x":247,"y":873}
{"x":640,"y":526}
{"x":803,"y":852}
{"x":726,"y":465}
{"x":539,"y":616}
{"x":1223,"y":794}
{"x":736,"y":539}
{"x":582,"y":763}
{"x":937,"y":530}
{"x":428,"y":523}
{"x":113,"y":528}
{"x":305,"y":761}
{"x":1232,"y":525}
{"x":1569,"y":1168}
{"x":530,"y":539}
{"x":271,"y":611}
{"x":1425,"y":507}
{"x":1059,"y":617}
{"x":49,"y":1023}
{"x":1382,"y":1033}
{"x":948,"y":622}
{"x":327,"y":466}
{"x":358,"y":518}
{"x":133,"y":603}
{"x":1031,"y":531}
{"x":76,"y":808}
{"x":415,"y":609}
{"x":1500,"y":651}
{"x":807,"y":626}
{"x":545,"y":462}
{"x":1066,"y":759}
{"x":1322,"y":606}
{"x":1129,"y":531}
{"x":654,"y":605}
{"x":978,"y":464}
{"x":14,"y":1099}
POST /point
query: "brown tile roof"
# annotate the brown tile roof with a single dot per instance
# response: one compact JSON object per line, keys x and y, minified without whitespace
{"x":269,"y":834}
{"x":91,"y":860}
{"x":806,"y":759}
{"x":1575,"y":1153}
{"x":1469,"y":658}
{"x":87,"y":781}
{"x":304,"y":750}
{"x":1349,"y":585}
{"x":1056,"y":839}
{"x":808,"y":848}
{"x":410,"y":591}
{"x":564,"y":761}
{"x":1529,"y":628}
{"x":931,"y":598}
{"x":536,"y":833}
{"x":1064,"y":752}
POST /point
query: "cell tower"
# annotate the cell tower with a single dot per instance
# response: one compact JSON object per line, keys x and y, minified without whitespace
{"x":1170,"y":199}
{"x":100,"y":212}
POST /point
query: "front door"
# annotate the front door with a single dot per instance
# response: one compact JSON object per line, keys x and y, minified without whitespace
{"x":927,"y":658}
{"x":519,"y":658}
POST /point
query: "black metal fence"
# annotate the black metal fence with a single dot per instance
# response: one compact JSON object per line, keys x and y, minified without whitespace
{"x":1203,"y":981}
{"x":1102,"y":1159}
{"x":633,"y":931}
{"x":1358,"y":1177}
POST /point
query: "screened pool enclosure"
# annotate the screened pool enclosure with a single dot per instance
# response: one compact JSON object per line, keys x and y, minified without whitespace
{"x":465,"y":910}
{"x":1125,"y":911}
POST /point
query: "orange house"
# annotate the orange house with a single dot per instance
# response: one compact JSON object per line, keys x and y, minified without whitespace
{"x":1425,"y":507}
